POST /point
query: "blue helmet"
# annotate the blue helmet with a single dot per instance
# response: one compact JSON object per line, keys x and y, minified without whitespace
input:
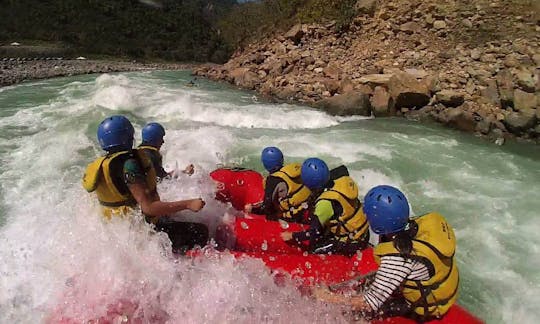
{"x":115,"y":134}
{"x":272,"y":159}
{"x":315,"y":173}
{"x":386,"y":209}
{"x":153,"y":134}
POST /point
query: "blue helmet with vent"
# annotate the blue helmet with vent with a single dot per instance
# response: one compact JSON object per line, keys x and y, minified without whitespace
{"x":386,"y":209}
{"x":115,"y":134}
{"x":272,"y":159}
{"x":315,"y":173}
{"x":153,"y":134}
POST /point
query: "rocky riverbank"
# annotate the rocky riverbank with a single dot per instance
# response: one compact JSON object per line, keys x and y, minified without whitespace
{"x":14,"y":71}
{"x":472,"y":65}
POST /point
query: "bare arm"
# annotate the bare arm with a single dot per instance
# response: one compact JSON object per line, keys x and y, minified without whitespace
{"x":356,"y":302}
{"x":152,"y":206}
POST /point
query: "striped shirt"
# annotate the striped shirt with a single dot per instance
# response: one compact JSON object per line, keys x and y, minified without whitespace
{"x":392,"y":272}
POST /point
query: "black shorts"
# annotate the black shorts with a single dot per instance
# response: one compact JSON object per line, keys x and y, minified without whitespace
{"x":183,"y":235}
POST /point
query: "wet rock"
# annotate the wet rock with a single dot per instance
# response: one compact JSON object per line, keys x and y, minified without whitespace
{"x":380,"y":101}
{"x":287,"y":92}
{"x":245,"y":78}
{"x":518,"y":122}
{"x":458,"y":118}
{"x":499,"y":141}
{"x":536,"y":131}
{"x":497,"y":135}
{"x":351,"y":103}
{"x":450,"y":98}
{"x":483,"y":126}
{"x":423,"y":114}
{"x":407,"y":92}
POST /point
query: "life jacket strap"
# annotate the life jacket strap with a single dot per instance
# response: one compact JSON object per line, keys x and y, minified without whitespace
{"x":130,"y":202}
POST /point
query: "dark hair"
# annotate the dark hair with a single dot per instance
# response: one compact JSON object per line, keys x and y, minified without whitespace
{"x":403,"y":239}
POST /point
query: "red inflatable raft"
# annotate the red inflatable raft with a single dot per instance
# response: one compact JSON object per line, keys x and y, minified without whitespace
{"x":257,"y":237}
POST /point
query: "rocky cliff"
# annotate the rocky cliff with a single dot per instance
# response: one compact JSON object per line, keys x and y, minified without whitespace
{"x":472,"y":65}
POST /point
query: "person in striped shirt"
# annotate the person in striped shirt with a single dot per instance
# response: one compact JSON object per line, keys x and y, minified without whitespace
{"x":417,"y":275}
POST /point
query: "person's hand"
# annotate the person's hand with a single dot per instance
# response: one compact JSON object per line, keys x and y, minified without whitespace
{"x":189,"y":170}
{"x":248,"y":208}
{"x":286,"y":236}
{"x":321,"y":293}
{"x":196,"y":204}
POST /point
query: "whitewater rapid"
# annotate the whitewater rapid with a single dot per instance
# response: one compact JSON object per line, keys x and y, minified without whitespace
{"x":56,"y":254}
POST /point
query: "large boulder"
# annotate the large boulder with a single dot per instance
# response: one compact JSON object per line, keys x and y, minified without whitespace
{"x":374,"y":80}
{"x":380,"y":102}
{"x":450,"y":98}
{"x":458,"y":118}
{"x":346,"y":85}
{"x":519,"y":122}
{"x":407,"y":92}
{"x":287,"y":92}
{"x":351,"y":103}
{"x":524,"y":101}
{"x":332,"y":71}
{"x":525,"y":80}
{"x":245,"y":78}
{"x":331,"y":85}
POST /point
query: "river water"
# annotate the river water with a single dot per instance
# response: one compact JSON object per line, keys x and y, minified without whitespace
{"x":58,"y":256}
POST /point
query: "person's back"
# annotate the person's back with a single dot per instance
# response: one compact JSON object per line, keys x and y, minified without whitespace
{"x":152,"y":140}
{"x":338,"y":224}
{"x":433,"y":245}
{"x":107,"y":175}
{"x":285,"y":195}
{"x":344,"y":221}
{"x":417,"y":275}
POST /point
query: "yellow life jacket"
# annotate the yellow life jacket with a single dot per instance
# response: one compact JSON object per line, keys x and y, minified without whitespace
{"x":434,"y":245}
{"x":351,"y":225}
{"x":98,"y":178}
{"x":297,"y":192}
